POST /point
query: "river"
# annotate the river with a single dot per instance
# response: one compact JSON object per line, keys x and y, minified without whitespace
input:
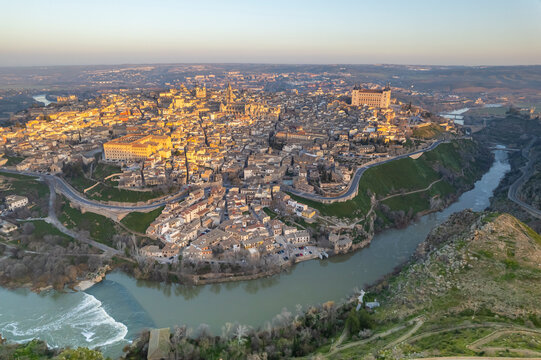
{"x":457,"y":116}
{"x":42,"y":99}
{"x":111,"y":313}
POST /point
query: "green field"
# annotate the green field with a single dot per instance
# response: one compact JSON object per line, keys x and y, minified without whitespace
{"x":100,"y":228}
{"x":29,"y":186}
{"x":269,"y":212}
{"x":108,"y":193}
{"x":405,"y":175}
{"x":13,"y":160}
{"x":139,"y":221}
{"x":42,"y":229}
{"x":107,"y":190}
{"x":427,"y":132}
{"x":103,"y":170}
{"x":22,"y":185}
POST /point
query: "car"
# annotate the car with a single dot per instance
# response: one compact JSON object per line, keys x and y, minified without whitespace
{"x":286,"y":258}
{"x":297,"y":255}
{"x":171,"y":258}
{"x":310,"y":252}
{"x":300,"y":254}
{"x":301,"y":248}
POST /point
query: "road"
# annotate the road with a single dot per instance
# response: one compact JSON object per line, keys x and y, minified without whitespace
{"x":527,"y":171}
{"x":73,"y":195}
{"x":53,"y":220}
{"x":354,"y":184}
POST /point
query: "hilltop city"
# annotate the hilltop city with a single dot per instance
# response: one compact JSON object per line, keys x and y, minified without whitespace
{"x":220,"y":168}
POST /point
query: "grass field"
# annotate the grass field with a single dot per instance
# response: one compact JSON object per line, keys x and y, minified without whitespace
{"x":100,"y":228}
{"x":42,"y":229}
{"x":81,"y":183}
{"x":29,"y":186}
{"x":427,"y":132}
{"x":103,"y":170}
{"x":139,"y":221}
{"x":107,"y":190}
{"x":109,"y":193}
{"x":451,"y":342}
{"x":269,"y":212}
{"x":22,"y":185}
{"x":13,"y":160}
{"x":522,"y":341}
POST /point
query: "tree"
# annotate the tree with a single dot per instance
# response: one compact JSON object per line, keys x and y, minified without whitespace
{"x":28,"y":228}
{"x":352,"y":322}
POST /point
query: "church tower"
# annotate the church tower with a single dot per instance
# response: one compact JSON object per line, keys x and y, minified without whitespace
{"x":229,"y":96}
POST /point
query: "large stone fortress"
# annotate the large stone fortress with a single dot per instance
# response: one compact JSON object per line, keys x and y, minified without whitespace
{"x":371,"y":97}
{"x":134,"y":147}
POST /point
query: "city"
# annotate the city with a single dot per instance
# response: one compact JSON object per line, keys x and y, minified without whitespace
{"x":270,"y":180}
{"x":236,"y":181}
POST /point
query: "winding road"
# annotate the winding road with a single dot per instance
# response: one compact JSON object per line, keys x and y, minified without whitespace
{"x":354,"y":184}
{"x":527,"y":171}
{"x":61,"y":186}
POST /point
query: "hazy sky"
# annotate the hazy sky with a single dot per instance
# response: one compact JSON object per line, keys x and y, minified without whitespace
{"x":59,"y":32}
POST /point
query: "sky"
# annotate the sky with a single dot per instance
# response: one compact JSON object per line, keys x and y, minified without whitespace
{"x":435,"y":32}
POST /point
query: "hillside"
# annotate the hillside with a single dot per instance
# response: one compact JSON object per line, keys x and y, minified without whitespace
{"x":398,"y":190}
{"x":472,"y":290}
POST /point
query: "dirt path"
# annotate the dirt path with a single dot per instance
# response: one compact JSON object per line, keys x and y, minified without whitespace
{"x":501,"y":329}
{"x":418,"y":322}
{"x":413,"y":330}
{"x":411,"y":192}
{"x":478,"y":344}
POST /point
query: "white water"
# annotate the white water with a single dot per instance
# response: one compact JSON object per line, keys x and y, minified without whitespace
{"x":59,"y":319}
{"x":42,"y":99}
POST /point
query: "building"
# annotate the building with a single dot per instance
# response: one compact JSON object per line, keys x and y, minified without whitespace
{"x":371,"y":97}
{"x":151,"y":251}
{"x":14,"y":202}
{"x":6,"y":227}
{"x":134,"y":147}
{"x":159,"y":345}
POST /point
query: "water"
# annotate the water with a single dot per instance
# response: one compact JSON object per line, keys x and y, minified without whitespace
{"x":42,"y":99}
{"x":460,"y":119}
{"x":60,"y":319}
{"x":113,"y":312}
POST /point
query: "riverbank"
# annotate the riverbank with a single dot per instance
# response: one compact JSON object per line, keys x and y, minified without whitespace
{"x":450,"y":299}
{"x":417,"y":311}
{"x":122,"y":302}
{"x":402,"y":191}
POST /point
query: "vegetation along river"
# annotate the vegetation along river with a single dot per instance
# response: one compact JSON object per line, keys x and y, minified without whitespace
{"x":111,"y":313}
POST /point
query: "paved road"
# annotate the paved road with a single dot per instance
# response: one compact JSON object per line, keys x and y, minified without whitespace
{"x":354,"y":184}
{"x":53,"y":220}
{"x":67,"y":190}
{"x":527,"y":171}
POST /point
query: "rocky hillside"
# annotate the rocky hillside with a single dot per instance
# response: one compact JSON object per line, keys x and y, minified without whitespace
{"x":472,"y":262}
{"x":472,"y":289}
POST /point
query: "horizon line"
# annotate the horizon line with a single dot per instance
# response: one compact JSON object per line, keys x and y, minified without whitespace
{"x":267,"y":63}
